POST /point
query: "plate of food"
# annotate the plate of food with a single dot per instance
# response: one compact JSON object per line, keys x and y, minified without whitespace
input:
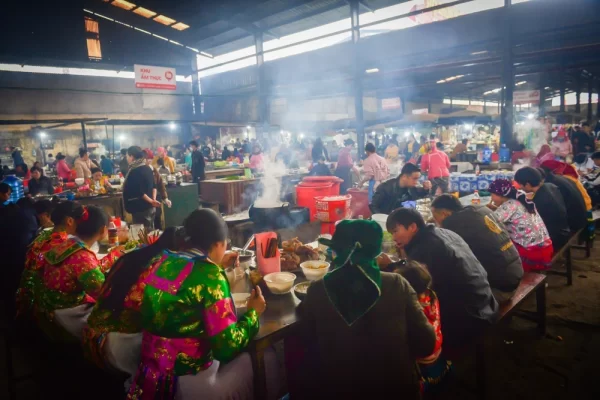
{"x":301,"y":289}
{"x":294,"y":253}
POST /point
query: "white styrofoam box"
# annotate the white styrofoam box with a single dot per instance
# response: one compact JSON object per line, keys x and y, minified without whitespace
{"x":483,"y":184}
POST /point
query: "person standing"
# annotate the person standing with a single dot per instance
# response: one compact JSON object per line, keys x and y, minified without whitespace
{"x":344,"y":166}
{"x":124,"y":164}
{"x":83,"y":165}
{"x":375,"y":170}
{"x":437,"y":165}
{"x":106,"y":165}
{"x":138,"y":190}
{"x":198,"y":164}
{"x":319,"y":150}
{"x":162,"y":154}
{"x":561,"y":145}
{"x":62,"y":169}
{"x":39,"y":184}
{"x":160,"y":191}
{"x":583,"y":140}
{"x":16,"y":156}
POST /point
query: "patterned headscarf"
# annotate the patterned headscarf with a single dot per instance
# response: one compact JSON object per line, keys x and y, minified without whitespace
{"x":560,"y":168}
{"x":504,"y":188}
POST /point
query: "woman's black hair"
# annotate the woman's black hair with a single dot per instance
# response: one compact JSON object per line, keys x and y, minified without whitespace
{"x":66,"y":209}
{"x":82,"y":152}
{"x":60,"y":156}
{"x":92,"y":220}
{"x":43,"y":206}
{"x":136,"y":152}
{"x":205,"y":227}
{"x":94,"y":170}
{"x":416,"y":275}
{"x":370,"y":148}
{"x":127,"y":270}
{"x":160,"y":162}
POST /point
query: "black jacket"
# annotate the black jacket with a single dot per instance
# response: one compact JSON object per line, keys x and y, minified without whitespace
{"x":491,"y":244}
{"x":466,"y":301}
{"x":198,"y":165}
{"x":139,"y":182}
{"x":574,"y":202}
{"x":389,"y":196}
{"x":551,"y":207}
{"x":41,"y":186}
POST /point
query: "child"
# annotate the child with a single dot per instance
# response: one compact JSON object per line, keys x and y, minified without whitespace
{"x":433,"y":368}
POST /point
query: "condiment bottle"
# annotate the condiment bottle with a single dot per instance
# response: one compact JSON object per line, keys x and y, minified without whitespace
{"x":476,"y":199}
{"x":113,"y":236}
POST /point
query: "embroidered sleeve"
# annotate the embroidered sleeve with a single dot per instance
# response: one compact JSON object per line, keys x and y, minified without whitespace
{"x":228,"y":336}
{"x":87,"y":270}
{"x":109,"y":260}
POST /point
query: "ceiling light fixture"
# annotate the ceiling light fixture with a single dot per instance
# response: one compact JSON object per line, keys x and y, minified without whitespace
{"x":449,"y":79}
{"x":144,"y":12}
{"x":372,"y":70}
{"x":162,"y":19}
{"x":125,"y":5}
{"x":180,"y":26}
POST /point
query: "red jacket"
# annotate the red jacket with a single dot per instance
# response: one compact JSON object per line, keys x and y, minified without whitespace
{"x":436,"y":163}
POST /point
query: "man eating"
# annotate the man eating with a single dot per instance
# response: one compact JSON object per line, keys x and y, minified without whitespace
{"x":393,"y":192}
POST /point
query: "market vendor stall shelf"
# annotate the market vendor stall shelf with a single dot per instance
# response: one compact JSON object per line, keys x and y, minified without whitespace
{"x":185,"y":200}
{"x":223,"y":172}
{"x":112,"y":204}
{"x":231,"y":195}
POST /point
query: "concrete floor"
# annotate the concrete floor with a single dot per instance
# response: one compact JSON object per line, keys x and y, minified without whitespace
{"x":520,"y":365}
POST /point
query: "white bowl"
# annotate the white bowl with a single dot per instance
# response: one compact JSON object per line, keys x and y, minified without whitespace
{"x":280,"y":282}
{"x":381,"y":219}
{"x":312,"y":271}
{"x":241,"y":302}
{"x":79,"y":181}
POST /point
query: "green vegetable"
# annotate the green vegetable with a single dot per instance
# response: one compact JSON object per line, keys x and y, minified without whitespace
{"x":232,"y":178}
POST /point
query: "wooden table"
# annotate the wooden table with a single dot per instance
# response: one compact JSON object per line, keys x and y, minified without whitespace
{"x":111,"y":203}
{"x":232,"y":196}
{"x":223,"y":172}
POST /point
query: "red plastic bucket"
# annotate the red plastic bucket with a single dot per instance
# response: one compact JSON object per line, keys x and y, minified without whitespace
{"x":306,"y":193}
{"x":333,"y":208}
{"x":360,"y":203}
{"x":333,"y":179}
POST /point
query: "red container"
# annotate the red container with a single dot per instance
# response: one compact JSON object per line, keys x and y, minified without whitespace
{"x":360,"y":203}
{"x":306,"y":193}
{"x":327,"y":228}
{"x":333,"y":208}
{"x":321,"y":179}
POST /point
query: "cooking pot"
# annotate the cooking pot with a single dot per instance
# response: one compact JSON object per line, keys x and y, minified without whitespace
{"x":273,"y":218}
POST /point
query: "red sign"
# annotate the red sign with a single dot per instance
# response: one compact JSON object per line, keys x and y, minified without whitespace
{"x":148,"y":77}
{"x":526,"y":97}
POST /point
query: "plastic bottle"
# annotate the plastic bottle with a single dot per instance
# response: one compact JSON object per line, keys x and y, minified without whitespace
{"x":504,"y":153}
{"x":113,"y":235}
{"x":477,"y":170}
{"x":16,"y":186}
{"x":476,"y":200}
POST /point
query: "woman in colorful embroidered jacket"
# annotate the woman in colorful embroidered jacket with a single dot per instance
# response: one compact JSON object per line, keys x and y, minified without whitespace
{"x":112,"y":337}
{"x":63,"y":216}
{"x":73,"y":275}
{"x":525,"y":226}
{"x":189,"y":322}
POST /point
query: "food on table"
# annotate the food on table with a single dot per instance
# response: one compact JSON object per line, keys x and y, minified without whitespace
{"x":314,"y":270}
{"x":307,"y":253}
{"x":131,"y":245}
{"x":302,"y":287}
{"x":280,"y":282}
{"x":255,"y":277}
{"x":289,"y":261}
{"x":291,"y":245}
{"x":232,"y":178}
{"x":220,"y":164}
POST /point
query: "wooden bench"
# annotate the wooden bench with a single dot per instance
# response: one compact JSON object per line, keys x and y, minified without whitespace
{"x":566,"y":252}
{"x":588,"y":242}
{"x":530,"y":284}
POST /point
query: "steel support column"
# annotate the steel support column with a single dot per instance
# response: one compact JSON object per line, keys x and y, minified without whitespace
{"x":484,"y":106}
{"x":542,"y":105}
{"x":84,"y":136}
{"x":263,"y":117}
{"x":598,"y":104}
{"x":508,"y":78}
{"x":358,"y":76}
{"x":196,"y":91}
{"x":578,"y":94}
{"x":563,"y":90}
{"x":590,"y":90}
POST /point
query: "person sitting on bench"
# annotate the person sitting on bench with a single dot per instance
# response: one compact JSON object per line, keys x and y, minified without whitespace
{"x":549,"y":203}
{"x":574,"y":200}
{"x":525,"y":226}
{"x":487,"y":238}
{"x":466,"y":301}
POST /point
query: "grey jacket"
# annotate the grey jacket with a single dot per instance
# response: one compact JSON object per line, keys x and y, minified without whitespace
{"x":376,"y":354}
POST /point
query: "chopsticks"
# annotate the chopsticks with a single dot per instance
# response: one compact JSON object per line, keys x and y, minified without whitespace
{"x":271,"y":248}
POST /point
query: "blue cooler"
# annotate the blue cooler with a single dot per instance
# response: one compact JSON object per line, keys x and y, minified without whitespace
{"x":454,"y":182}
{"x":483,"y":183}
